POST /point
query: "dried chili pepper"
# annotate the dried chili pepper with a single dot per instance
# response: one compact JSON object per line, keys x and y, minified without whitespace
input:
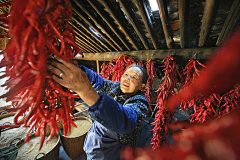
{"x":41,"y":30}
{"x":162,"y":117}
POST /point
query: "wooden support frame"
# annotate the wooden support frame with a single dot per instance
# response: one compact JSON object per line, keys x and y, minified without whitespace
{"x":95,"y":28}
{"x":103,"y":27}
{"x":145,"y":55}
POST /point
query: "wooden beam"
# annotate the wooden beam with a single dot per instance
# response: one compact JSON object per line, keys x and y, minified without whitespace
{"x":165,"y":23}
{"x":230,"y":22}
{"x":145,"y":55}
{"x":93,"y":35}
{"x":94,"y":27}
{"x":90,"y":39}
{"x":119,"y":23}
{"x":210,"y":11}
{"x":133,"y":20}
{"x":97,"y":63}
{"x":104,"y":17}
{"x":148,"y":22}
{"x":183,"y":18}
{"x":96,"y":21}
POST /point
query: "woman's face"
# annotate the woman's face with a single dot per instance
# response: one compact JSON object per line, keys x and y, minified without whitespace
{"x":131,"y":80}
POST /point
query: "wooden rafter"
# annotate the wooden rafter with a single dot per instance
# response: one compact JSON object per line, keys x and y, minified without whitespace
{"x":85,"y":45}
{"x":94,"y":27}
{"x":119,"y":23}
{"x":101,"y":26}
{"x":207,"y":20}
{"x":230,"y":23}
{"x":89,"y":39}
{"x":93,"y":35}
{"x":104,"y":17}
{"x":82,"y":47}
{"x":80,"y":36}
{"x":165,"y":23}
{"x":147,"y":22}
{"x":133,"y":20}
{"x":183,"y":20}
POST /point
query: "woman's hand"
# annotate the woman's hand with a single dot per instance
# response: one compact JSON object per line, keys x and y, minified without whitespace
{"x":72,"y":77}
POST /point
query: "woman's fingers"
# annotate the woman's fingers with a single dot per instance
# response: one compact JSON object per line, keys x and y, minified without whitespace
{"x":59,"y":80}
{"x":65,"y":63}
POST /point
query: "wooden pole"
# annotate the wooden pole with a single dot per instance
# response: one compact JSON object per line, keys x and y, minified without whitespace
{"x":98,"y":71}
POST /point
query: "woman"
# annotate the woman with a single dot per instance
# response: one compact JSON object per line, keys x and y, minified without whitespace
{"x":118,"y":108}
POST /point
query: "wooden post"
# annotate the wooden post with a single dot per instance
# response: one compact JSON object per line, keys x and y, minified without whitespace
{"x":97,"y":67}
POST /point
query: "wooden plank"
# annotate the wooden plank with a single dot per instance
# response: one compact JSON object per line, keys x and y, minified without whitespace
{"x":97,"y":22}
{"x":207,"y":20}
{"x":230,"y":22}
{"x":183,"y":10}
{"x":93,"y":35}
{"x":119,"y":23}
{"x":165,"y":23}
{"x":133,"y":20}
{"x":95,"y":28}
{"x":145,"y":55}
{"x":104,"y":17}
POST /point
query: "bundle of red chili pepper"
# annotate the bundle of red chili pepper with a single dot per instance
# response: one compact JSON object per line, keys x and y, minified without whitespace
{"x":115,"y":68}
{"x":167,"y":88}
{"x":151,"y":71}
{"x":39,"y":30}
{"x":204,"y":107}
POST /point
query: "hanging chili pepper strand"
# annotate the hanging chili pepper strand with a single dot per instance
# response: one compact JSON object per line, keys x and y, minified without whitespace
{"x":229,"y":101}
{"x":151,"y":71}
{"x":106,"y":70}
{"x":203,"y":107}
{"x":162,"y":117}
{"x":41,"y":31}
{"x":115,"y":68}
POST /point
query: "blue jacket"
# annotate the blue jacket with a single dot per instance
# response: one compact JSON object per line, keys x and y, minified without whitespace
{"x":118,"y":118}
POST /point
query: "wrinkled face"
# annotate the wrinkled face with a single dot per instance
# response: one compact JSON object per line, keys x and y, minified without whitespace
{"x":131,"y":80}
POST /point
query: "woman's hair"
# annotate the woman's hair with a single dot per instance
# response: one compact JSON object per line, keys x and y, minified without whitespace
{"x":145,"y":75}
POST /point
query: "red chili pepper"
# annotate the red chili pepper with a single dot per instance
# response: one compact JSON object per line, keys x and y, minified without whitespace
{"x":216,"y":78}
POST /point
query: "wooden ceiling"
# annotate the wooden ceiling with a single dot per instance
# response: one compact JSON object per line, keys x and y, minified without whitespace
{"x":115,"y":27}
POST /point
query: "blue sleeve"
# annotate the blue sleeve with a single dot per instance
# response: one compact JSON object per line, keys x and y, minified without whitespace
{"x":96,"y":80}
{"x":114,"y":116}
